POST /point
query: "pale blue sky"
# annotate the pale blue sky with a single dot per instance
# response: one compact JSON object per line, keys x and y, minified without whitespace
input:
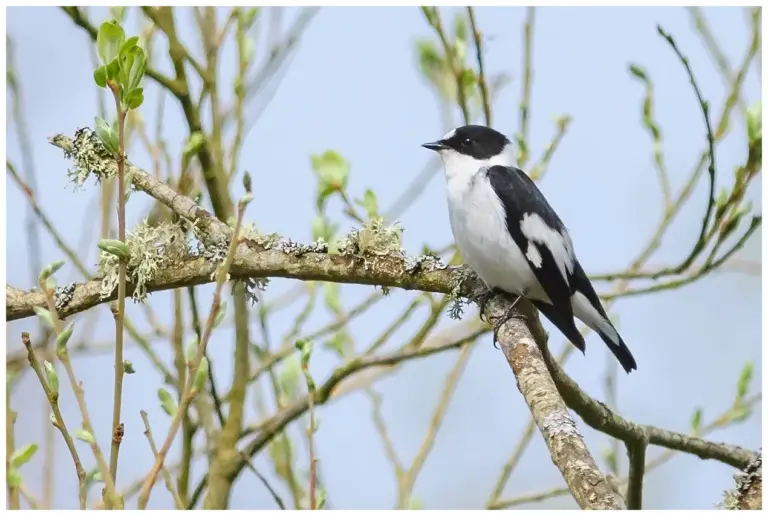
{"x":354,"y":86}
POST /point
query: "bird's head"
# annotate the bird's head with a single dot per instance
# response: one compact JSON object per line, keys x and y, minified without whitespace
{"x":466,"y":149}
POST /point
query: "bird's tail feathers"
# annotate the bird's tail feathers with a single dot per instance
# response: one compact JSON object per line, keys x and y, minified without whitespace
{"x":619,"y":350}
{"x":564,"y":324}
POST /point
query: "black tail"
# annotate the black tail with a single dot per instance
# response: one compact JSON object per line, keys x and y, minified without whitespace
{"x":568,"y":328}
{"x":620,"y":351}
{"x":564,"y":324}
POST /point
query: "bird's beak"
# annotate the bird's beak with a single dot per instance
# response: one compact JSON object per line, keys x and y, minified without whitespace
{"x":435,"y":146}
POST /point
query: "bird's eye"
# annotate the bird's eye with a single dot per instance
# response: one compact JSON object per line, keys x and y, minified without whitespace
{"x":466,"y":142}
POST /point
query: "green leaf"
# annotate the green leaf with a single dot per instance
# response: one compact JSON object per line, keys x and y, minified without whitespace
{"x":106,"y":134}
{"x":332,"y":171}
{"x":468,"y":79}
{"x":130,"y":43}
{"x":167,"y":402}
{"x":23,"y":455}
{"x":134,"y":98}
{"x":696,"y":421}
{"x":638,"y":72}
{"x":755,"y":121}
{"x":370,"y":204}
{"x":115,"y":247}
{"x":332,"y":297}
{"x":191,"y":350}
{"x":85,"y":436}
{"x":195,"y":142}
{"x":51,"y":269}
{"x":113,"y":70}
{"x":322,"y":497}
{"x":742,"y":386}
{"x":201,"y":376}
{"x":110,"y":38}
{"x":45,"y":315}
{"x":100,"y":76}
{"x":740,"y":413}
{"x":431,"y":62}
{"x":51,"y":377}
{"x":133,"y":65}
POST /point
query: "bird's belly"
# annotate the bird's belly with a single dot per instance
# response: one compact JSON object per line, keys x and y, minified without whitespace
{"x":480,"y":230}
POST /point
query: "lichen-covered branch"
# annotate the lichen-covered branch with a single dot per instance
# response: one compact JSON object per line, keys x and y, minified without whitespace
{"x":566,"y":446}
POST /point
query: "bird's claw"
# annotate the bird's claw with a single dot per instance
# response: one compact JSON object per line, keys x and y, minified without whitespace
{"x":509,"y":314}
{"x":483,"y":299}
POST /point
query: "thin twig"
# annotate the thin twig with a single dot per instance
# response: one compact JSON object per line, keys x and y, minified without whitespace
{"x":117,"y":402}
{"x":53,"y":401}
{"x":10,"y":447}
{"x":432,"y":15}
{"x":221,"y":278}
{"x":166,"y":474}
{"x":481,"y":78}
{"x":525,"y":98}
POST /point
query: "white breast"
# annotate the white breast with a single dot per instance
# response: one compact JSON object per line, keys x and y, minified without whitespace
{"x":479,"y":227}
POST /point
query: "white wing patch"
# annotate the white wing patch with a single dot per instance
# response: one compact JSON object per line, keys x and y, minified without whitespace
{"x":533,"y":255}
{"x":534,"y":228}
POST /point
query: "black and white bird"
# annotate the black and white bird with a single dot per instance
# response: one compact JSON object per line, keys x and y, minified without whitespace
{"x":511,"y":237}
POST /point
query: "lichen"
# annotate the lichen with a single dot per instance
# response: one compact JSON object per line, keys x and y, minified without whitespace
{"x":457,"y":300}
{"x":151,"y":249}
{"x":90,"y":156}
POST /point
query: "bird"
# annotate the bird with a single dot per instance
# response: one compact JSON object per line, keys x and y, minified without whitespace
{"x":511,"y":237}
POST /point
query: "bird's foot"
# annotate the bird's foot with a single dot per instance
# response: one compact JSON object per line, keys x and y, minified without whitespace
{"x":509,"y":314}
{"x":483,"y":299}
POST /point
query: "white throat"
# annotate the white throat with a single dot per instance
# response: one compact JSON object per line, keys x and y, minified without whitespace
{"x":460,"y":168}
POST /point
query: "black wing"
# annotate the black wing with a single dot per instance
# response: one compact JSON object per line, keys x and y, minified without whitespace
{"x":520,"y":196}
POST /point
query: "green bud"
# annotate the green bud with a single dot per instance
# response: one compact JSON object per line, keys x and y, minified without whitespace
{"x":14,"y":478}
{"x":191,"y":350}
{"x":195,"y":142}
{"x":201,"y":376}
{"x":322,"y":497}
{"x":740,"y":413}
{"x":45,"y":315}
{"x":63,"y":337}
{"x":128,"y":367}
{"x":85,"y":436}
{"x":51,"y":269}
{"x":696,"y":421}
{"x":247,"y":198}
{"x":220,"y":314}
{"x":23,"y":455}
{"x":115,"y":247}
{"x":755,"y":121}
{"x":51,"y":377}
{"x":745,"y":377}
{"x":167,"y":402}
{"x":638,"y":72}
